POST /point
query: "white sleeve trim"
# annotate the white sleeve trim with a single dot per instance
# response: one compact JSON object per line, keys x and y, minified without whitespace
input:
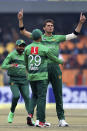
{"x":71,"y":36}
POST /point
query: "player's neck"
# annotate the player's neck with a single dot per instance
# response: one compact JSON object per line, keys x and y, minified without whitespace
{"x":37,"y":40}
{"x":48,"y":34}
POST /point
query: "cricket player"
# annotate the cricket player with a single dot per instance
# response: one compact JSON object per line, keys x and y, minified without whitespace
{"x":54,"y":72}
{"x":36,"y":59}
{"x":15,"y":65}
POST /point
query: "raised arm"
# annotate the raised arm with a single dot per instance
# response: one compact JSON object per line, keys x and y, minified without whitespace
{"x":81,"y":22}
{"x":78,"y":28}
{"x":23,"y":31}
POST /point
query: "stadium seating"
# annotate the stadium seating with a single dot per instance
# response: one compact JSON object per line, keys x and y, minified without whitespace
{"x":69,"y":76}
{"x":1,"y":78}
{"x":10,"y":46}
{"x":2,"y":49}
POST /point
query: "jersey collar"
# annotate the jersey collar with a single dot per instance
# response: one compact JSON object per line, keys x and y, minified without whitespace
{"x":48,"y":36}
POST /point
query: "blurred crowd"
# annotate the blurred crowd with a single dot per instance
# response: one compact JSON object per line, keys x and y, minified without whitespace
{"x":8,"y":36}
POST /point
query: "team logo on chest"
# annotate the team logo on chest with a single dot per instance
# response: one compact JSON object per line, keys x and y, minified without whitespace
{"x":34,"y":50}
{"x":43,"y":38}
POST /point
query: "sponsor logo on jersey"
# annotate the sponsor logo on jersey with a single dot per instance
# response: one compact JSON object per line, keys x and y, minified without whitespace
{"x":43,"y":38}
{"x":34,"y":50}
{"x":33,"y":68}
{"x":53,"y":39}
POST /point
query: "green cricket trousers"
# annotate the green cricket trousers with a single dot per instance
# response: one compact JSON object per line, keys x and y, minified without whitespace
{"x":39,"y":89}
{"x":55,"y":78}
{"x":18,"y":87}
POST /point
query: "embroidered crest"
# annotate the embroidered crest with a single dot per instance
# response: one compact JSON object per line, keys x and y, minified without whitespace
{"x":34,"y":50}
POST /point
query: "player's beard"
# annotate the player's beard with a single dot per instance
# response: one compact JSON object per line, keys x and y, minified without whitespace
{"x":20,"y":51}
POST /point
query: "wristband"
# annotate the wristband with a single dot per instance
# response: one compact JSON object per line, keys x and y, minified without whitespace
{"x":76,"y":33}
{"x":21,"y":28}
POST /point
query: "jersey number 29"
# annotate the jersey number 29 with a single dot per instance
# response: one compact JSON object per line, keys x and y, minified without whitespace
{"x":35,"y":60}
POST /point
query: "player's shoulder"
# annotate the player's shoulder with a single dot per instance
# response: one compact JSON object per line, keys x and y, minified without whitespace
{"x":12,"y":53}
{"x":42,"y":46}
{"x":28,"y":46}
{"x":57,"y":35}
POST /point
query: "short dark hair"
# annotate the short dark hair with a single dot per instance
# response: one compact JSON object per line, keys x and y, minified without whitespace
{"x":48,"y":20}
{"x":36,"y":34}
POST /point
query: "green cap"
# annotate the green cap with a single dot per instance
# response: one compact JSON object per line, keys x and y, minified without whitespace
{"x":36,"y":34}
{"x":19,"y":42}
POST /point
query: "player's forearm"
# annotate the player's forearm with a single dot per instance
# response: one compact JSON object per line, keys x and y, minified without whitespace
{"x":54,"y":58}
{"x":23,"y":31}
{"x":79,"y":27}
{"x":76,"y":32}
{"x":4,"y":66}
{"x":21,"y":23}
{"x":81,"y":22}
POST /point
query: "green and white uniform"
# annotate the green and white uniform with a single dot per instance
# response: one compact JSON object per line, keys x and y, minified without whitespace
{"x":18,"y":78}
{"x":36,"y":60}
{"x":54,"y":72}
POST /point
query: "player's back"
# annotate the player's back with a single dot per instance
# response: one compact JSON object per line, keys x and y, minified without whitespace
{"x":37,"y":61}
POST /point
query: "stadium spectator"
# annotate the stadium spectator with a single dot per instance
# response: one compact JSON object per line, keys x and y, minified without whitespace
{"x":84,"y":66}
{"x":72,"y":62}
{"x":79,"y":79}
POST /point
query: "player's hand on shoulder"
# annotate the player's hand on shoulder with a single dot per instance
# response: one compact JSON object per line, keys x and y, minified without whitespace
{"x":82,"y":18}
{"x":20,"y":14}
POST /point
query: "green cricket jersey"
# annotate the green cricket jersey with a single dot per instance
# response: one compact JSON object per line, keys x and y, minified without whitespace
{"x":36,"y":56}
{"x":18,"y":72}
{"x":53,"y":42}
